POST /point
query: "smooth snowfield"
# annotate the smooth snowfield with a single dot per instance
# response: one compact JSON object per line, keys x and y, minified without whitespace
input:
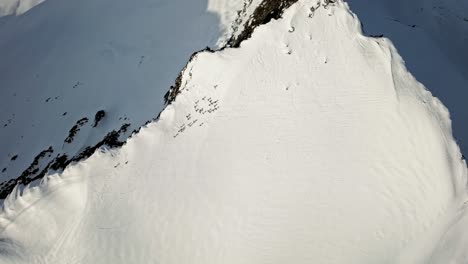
{"x":309,"y":144}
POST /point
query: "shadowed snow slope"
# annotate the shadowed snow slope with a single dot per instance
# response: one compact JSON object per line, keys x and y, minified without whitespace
{"x":309,"y":144}
{"x":66,"y":60}
{"x":432,"y":37}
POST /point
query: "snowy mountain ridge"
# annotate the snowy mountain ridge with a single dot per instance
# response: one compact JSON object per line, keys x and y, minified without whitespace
{"x":50,"y":137}
{"x":116,"y":76}
{"x":308,"y":143}
{"x":29,"y":159}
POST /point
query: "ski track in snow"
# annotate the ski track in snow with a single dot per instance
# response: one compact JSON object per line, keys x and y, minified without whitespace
{"x":309,"y":144}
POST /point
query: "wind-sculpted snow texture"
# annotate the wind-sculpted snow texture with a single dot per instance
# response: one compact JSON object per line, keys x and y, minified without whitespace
{"x":432,"y":37}
{"x":310,"y":143}
{"x":65,"y":61}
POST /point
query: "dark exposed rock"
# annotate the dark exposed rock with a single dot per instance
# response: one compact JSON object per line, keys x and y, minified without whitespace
{"x":98,"y":117}
{"x":59,"y":163}
{"x":27,"y":175}
{"x":33,"y":168}
{"x":264,"y":13}
{"x":111,"y":140}
{"x":75,"y":129}
{"x":241,"y":14}
{"x":77,"y":84}
{"x":170,"y":96}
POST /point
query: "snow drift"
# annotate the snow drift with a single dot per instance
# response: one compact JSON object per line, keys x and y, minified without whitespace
{"x":310,"y":143}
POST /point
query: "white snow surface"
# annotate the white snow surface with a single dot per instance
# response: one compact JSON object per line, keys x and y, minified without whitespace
{"x":311,"y":143}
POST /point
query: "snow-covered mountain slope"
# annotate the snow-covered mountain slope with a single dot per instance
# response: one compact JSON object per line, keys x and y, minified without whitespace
{"x":432,"y":37}
{"x":310,"y":143}
{"x":72,"y":72}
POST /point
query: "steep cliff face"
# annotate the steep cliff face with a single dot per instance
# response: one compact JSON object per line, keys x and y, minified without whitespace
{"x":309,"y":143}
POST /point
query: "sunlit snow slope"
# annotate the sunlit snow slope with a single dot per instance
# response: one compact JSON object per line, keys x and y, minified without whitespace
{"x":64,"y":61}
{"x":309,"y":144}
